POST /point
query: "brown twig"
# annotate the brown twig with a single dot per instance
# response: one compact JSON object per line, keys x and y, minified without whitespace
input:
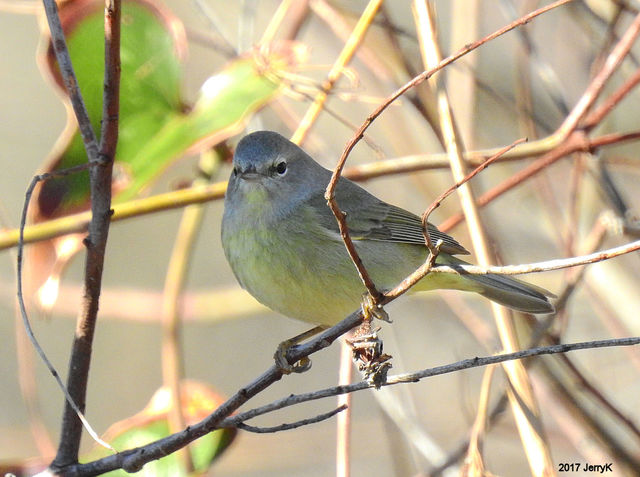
{"x":597,"y":84}
{"x":293,"y":425}
{"x":436,"y":203}
{"x":100,"y":182}
{"x":596,"y":116}
{"x":576,"y":142}
{"x":341,"y":217}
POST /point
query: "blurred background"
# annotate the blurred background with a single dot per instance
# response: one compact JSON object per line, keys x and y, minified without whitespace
{"x":520,"y":85}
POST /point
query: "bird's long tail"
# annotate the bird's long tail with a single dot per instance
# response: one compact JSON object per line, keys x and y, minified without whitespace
{"x":509,"y":291}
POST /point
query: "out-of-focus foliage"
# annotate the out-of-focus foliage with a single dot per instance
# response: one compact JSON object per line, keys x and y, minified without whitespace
{"x":156,"y":127}
{"x":152,"y":424}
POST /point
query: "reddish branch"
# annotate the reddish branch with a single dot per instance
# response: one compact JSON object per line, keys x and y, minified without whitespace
{"x":576,"y":142}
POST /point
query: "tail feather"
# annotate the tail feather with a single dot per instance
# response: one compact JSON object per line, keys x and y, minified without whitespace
{"x":511,"y":292}
{"x":514,"y":293}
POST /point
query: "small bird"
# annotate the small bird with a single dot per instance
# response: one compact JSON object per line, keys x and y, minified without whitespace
{"x":284,"y":246}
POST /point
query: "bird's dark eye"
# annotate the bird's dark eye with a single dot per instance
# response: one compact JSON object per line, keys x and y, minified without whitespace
{"x":235,"y":171}
{"x":281,"y":167}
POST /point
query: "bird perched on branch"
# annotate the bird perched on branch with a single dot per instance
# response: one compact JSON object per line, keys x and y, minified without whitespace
{"x":284,"y":247}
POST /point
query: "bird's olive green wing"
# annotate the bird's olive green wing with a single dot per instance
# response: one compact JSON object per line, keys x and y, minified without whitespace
{"x":389,"y":223}
{"x":369,"y":218}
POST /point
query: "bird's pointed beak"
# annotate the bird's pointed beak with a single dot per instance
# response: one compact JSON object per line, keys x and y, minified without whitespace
{"x":249,"y":173}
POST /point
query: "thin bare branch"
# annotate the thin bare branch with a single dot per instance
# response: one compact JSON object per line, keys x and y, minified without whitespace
{"x":293,"y":425}
{"x":597,"y":115}
{"x":329,"y":194}
{"x":517,"y":355}
{"x":557,"y":264}
{"x":546,"y":266}
{"x":21,"y":303}
{"x":436,"y":203}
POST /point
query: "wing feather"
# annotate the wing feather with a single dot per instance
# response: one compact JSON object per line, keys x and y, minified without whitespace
{"x":369,"y":218}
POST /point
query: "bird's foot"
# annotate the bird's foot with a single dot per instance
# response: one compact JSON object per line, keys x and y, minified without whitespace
{"x":371,"y":309}
{"x":280,"y":355}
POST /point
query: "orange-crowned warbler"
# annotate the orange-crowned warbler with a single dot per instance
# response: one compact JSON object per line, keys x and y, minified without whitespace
{"x":283,"y":244}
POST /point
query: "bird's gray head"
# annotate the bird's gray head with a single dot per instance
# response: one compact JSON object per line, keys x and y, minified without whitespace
{"x":267,"y":167}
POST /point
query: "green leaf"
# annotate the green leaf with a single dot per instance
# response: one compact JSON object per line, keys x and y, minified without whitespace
{"x":149,"y":90}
